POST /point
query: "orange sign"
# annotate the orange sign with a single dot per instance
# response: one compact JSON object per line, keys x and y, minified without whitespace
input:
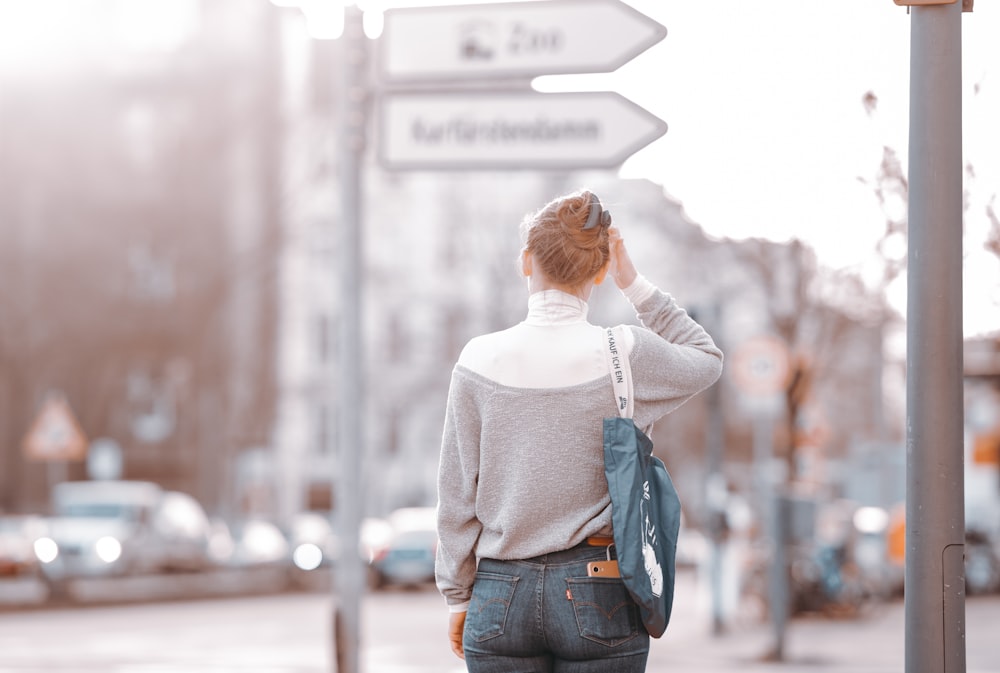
{"x":55,"y":434}
{"x":986,"y":449}
{"x":896,"y":535}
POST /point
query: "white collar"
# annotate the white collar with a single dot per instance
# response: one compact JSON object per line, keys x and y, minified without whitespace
{"x":555,"y":307}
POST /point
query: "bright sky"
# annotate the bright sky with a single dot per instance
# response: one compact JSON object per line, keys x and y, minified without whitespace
{"x":767,"y":132}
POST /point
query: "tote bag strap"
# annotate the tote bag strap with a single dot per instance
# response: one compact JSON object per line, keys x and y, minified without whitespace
{"x":621,"y":371}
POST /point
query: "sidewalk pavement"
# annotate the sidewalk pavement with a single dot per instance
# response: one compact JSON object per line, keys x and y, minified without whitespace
{"x":871,"y":643}
{"x":874,"y":642}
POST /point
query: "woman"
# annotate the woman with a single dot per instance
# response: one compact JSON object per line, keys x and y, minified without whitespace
{"x":523,"y":499}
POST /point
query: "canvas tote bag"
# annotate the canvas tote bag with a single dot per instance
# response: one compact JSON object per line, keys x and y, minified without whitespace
{"x":645,"y":508}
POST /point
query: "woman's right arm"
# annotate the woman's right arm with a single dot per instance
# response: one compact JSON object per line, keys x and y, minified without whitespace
{"x":684,"y":360}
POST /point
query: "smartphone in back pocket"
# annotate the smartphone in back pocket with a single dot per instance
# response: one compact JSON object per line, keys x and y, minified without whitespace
{"x":602,"y":569}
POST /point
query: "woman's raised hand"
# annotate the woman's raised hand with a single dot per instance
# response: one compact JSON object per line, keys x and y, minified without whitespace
{"x":622,"y":269}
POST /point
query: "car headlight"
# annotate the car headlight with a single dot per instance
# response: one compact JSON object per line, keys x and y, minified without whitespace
{"x":108,"y":549}
{"x":307,"y":556}
{"x":46,"y":549}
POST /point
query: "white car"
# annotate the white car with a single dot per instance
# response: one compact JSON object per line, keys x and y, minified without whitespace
{"x":103,"y":528}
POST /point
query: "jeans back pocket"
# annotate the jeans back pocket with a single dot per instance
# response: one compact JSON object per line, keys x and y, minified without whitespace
{"x":491,"y":597}
{"x":605,"y":612}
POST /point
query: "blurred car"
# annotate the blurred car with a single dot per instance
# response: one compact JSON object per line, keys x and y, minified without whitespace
{"x":221,"y":545}
{"x":102,"y":528}
{"x":21,"y":580}
{"x":313,"y":543}
{"x":375,"y":535}
{"x":17,"y":545}
{"x":407,"y":557}
{"x":413,"y":518}
{"x":181,"y":522}
{"x":982,"y":564}
{"x":259,"y":543}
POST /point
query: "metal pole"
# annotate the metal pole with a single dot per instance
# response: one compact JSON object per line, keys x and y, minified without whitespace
{"x":348,"y":583}
{"x":935,"y":518}
{"x":716,"y":489}
{"x":769,"y":507}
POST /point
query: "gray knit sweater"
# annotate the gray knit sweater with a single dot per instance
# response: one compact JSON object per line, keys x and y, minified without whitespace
{"x":522,"y":468}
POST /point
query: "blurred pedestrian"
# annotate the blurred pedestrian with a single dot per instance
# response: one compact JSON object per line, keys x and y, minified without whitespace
{"x":523,"y":498}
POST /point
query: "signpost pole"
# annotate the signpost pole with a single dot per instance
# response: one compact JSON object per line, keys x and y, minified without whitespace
{"x":935,"y":518}
{"x":716,"y":489}
{"x":761,"y":368}
{"x":348,"y":578}
{"x":769,"y":492}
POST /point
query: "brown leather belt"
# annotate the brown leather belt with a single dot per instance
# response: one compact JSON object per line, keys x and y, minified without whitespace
{"x":598,"y":541}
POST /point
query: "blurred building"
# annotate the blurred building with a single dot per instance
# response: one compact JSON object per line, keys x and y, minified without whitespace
{"x":139,"y":219}
{"x":170,"y":220}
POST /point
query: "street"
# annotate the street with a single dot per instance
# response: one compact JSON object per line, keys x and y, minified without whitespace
{"x":404,"y":632}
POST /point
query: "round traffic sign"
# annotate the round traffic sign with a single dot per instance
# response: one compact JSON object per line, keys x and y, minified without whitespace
{"x":761,"y":366}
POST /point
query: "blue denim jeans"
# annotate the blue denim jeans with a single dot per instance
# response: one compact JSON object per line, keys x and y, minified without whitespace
{"x":545,"y":615}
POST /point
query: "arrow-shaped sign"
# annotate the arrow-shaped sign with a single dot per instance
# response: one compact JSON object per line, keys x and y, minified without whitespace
{"x":473,"y":130}
{"x":514,"y":39}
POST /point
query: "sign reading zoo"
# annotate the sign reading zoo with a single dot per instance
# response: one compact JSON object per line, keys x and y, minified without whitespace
{"x":514,"y":39}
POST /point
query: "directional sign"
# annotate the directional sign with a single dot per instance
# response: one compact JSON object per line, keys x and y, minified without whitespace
{"x":514,"y":39}
{"x":471,"y":130}
{"x":55,"y":434}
